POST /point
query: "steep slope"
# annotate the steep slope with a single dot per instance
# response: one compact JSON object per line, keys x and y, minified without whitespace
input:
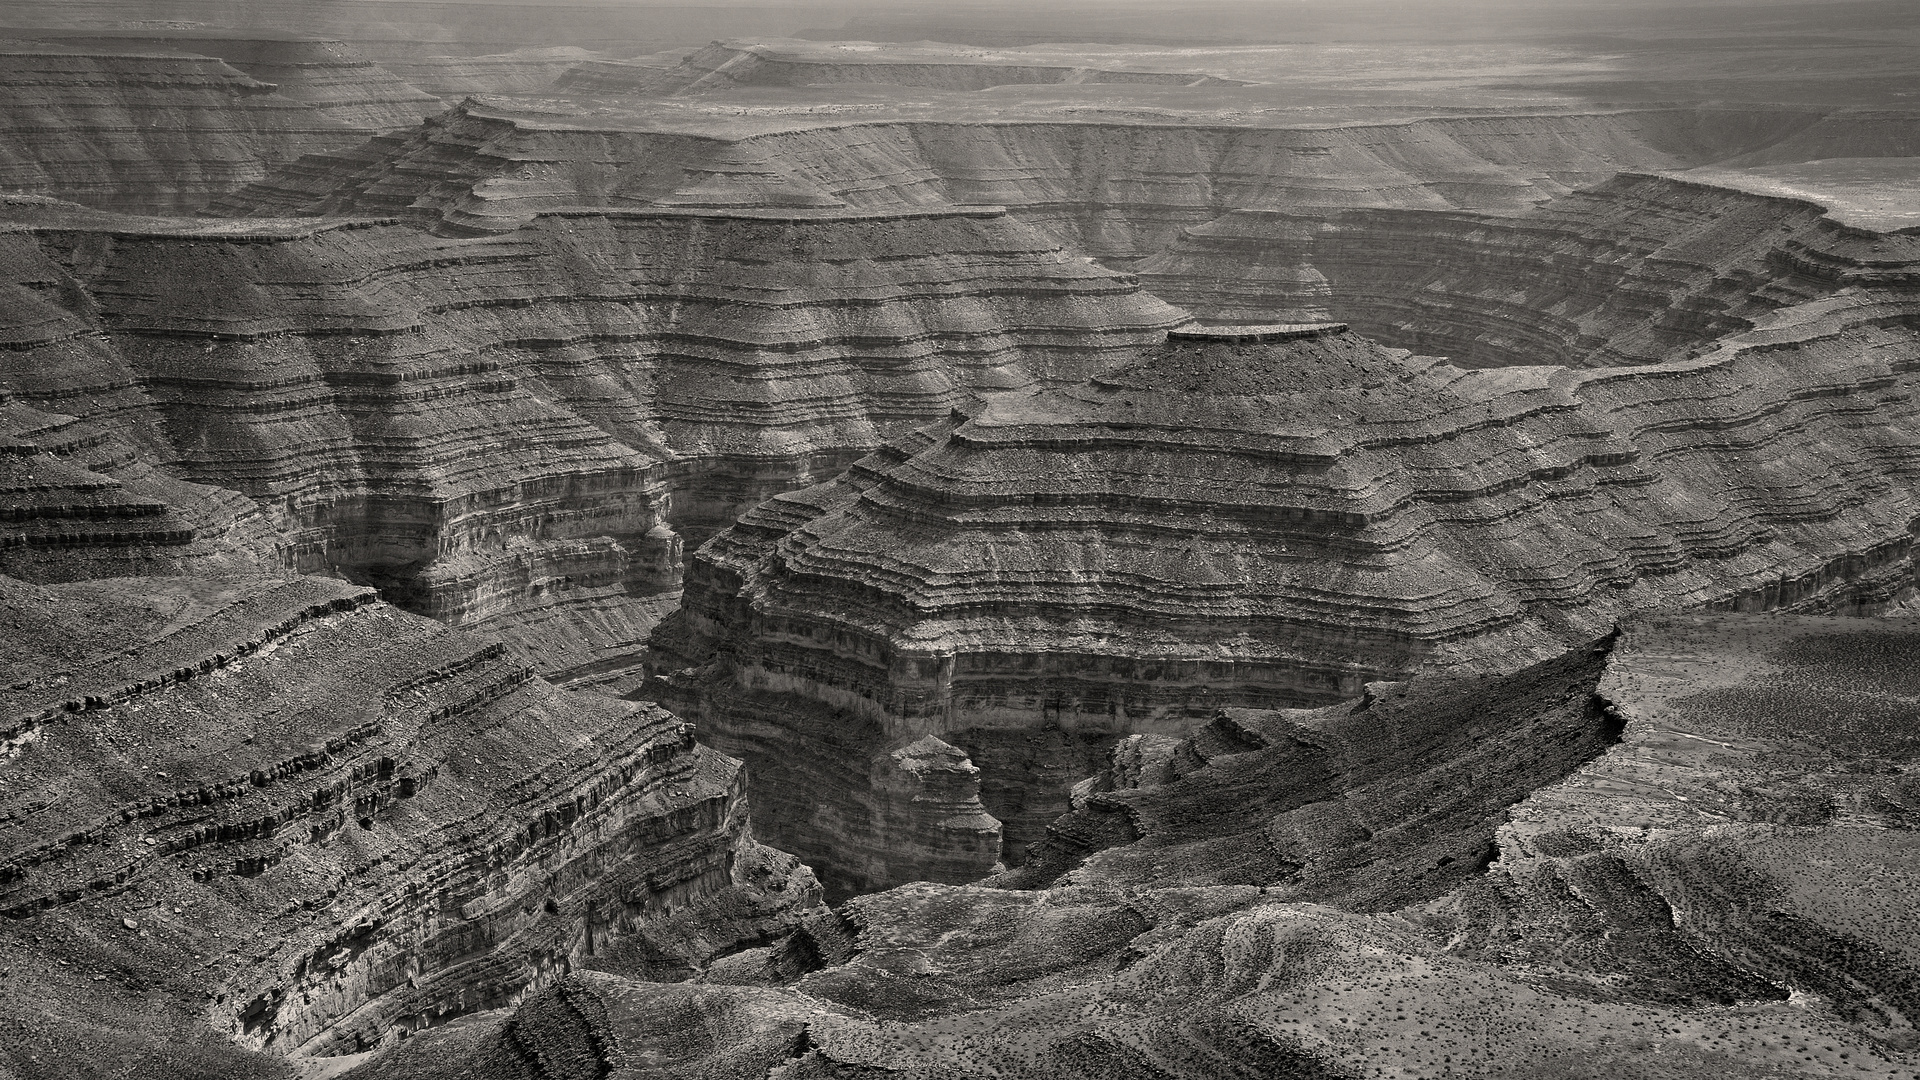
{"x":1265,"y":517}
{"x":146,"y":133}
{"x":331,"y":77}
{"x":1635,"y":270}
{"x":282,"y":813}
{"x":518,"y":428}
{"x":80,"y":496}
{"x":1453,"y":876}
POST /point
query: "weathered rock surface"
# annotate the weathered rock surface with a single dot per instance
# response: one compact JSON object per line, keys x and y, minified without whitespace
{"x":166,"y":126}
{"x":1635,"y":270}
{"x":508,"y":365}
{"x":1268,"y":518}
{"x":1109,"y":189}
{"x":331,"y":77}
{"x":162,"y":133}
{"x":1451,"y":875}
{"x":519,"y":428}
{"x":284,"y":812}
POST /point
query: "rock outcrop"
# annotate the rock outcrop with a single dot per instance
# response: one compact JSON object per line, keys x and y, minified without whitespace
{"x":165,"y":126}
{"x":146,"y":133}
{"x":1681,"y":854}
{"x":333,"y":78}
{"x":1110,"y":189}
{"x":521,"y":428}
{"x":283,"y":812}
{"x":1271,"y":516}
{"x":1635,"y":270}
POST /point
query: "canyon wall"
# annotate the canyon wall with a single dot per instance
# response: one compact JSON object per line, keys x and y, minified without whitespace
{"x":151,"y":134}
{"x":279,"y":810}
{"x":1279,"y":517}
{"x":1113,"y":190}
{"x":277,"y":814}
{"x":332,"y":78}
{"x":154,"y":127}
{"x":522,"y":428}
{"x":1637,"y":269}
{"x":1670,"y":853}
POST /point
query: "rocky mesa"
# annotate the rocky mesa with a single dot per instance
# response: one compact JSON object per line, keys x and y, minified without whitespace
{"x":1279,"y":515}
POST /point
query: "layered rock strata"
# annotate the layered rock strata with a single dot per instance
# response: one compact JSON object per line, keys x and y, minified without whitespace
{"x":1256,"y":517}
{"x":331,"y":77}
{"x":80,"y":496}
{"x":159,"y":133}
{"x":1684,"y":854}
{"x":520,"y":428}
{"x":286,"y":813}
{"x":79,"y":502}
{"x":1638,"y":269}
{"x":1113,"y":190}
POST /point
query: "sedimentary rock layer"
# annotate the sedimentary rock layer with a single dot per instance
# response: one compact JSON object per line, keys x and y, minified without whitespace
{"x":166,"y":132}
{"x":284,"y":812}
{"x":1244,"y":521}
{"x":331,"y":77}
{"x":1112,"y":190}
{"x":1638,"y":269}
{"x":510,"y":425}
{"x":1684,"y":854}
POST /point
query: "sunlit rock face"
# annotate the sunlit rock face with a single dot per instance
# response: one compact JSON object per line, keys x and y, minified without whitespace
{"x":1278,"y":516}
{"x":290,"y":818}
{"x":1153,"y":699}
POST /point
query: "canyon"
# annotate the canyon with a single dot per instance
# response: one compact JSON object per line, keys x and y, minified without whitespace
{"x":533,"y":552}
{"x":1542,"y":873}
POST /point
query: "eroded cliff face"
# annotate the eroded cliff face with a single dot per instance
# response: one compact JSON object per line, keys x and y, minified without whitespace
{"x":1635,"y":270}
{"x":165,"y":130}
{"x":333,"y":78}
{"x":1113,"y":190}
{"x":1279,"y":517}
{"x":519,"y":430}
{"x":1674,"y":854}
{"x":284,"y":812}
{"x":284,"y":818}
